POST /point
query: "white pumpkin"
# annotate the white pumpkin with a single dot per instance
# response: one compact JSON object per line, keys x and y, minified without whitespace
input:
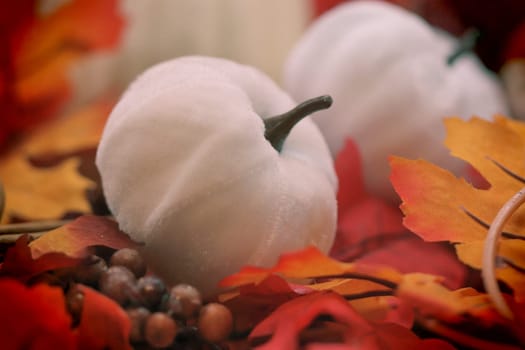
{"x":387,"y":72}
{"x":187,"y":170}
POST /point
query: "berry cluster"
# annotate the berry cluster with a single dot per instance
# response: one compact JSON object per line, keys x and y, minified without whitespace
{"x":161,"y":316}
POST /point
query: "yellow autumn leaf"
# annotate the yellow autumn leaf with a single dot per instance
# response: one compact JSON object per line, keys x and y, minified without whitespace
{"x":440,"y":207}
{"x":40,"y":193}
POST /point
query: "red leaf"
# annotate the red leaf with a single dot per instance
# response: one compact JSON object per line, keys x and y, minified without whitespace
{"x":19,"y":263}
{"x":286,"y":324}
{"x":412,"y":254}
{"x":362,"y":224}
{"x":518,"y":324}
{"x":253,"y":302}
{"x":103,"y":323}
{"x":516,"y":44}
{"x":34,"y":318}
{"x":348,"y":168}
{"x":371,"y":230}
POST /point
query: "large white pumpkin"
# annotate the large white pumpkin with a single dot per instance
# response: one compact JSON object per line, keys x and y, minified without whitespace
{"x":187,"y":170}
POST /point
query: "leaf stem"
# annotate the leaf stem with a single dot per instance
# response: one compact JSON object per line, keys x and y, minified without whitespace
{"x":277,"y":128}
{"x":359,"y":276}
{"x":486,"y":226}
{"x":369,"y":294}
{"x":488,"y":269}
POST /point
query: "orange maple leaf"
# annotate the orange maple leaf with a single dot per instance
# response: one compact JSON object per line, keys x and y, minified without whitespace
{"x":438,"y":206}
{"x":39,"y":50}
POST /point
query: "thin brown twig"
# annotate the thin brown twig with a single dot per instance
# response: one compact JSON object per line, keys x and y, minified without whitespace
{"x":2,"y":199}
{"x":31,"y":227}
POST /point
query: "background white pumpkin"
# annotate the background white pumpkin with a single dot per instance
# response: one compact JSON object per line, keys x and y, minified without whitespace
{"x":187,"y":170}
{"x":387,"y":72}
{"x":257,"y":33}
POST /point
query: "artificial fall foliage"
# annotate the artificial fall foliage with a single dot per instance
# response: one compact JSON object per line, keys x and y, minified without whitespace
{"x":37,"y":52}
{"x":102,"y":325}
{"x":381,"y":287}
{"x":35,"y":317}
{"x":371,"y":230}
{"x":65,"y":246}
{"x":382,"y":304}
{"x":50,"y":158}
{"x":441,"y":207}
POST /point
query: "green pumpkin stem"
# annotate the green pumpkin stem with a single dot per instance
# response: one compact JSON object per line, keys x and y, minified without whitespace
{"x":466,"y":43}
{"x":277,"y":128}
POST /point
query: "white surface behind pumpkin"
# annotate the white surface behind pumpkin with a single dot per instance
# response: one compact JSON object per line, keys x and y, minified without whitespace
{"x":386,"y":70}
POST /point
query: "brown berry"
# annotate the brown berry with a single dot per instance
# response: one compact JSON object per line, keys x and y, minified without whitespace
{"x":215,"y":322}
{"x":90,"y":272}
{"x":75,"y":303}
{"x":184,"y":301}
{"x":160,"y":330}
{"x":118,"y":283}
{"x":131,"y":259}
{"x":151,"y":291}
{"x":137,"y":317}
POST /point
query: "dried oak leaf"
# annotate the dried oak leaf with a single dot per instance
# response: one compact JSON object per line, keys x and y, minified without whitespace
{"x":370,"y":230}
{"x":440,"y":207}
{"x":38,"y":51}
{"x":34,"y":317}
{"x":296,"y":320}
{"x":103,"y":323}
{"x":75,"y":238}
{"x":48,"y":192}
{"x":64,"y":247}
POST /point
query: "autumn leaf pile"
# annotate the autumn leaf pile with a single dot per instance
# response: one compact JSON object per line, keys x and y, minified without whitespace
{"x":394,"y":279}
